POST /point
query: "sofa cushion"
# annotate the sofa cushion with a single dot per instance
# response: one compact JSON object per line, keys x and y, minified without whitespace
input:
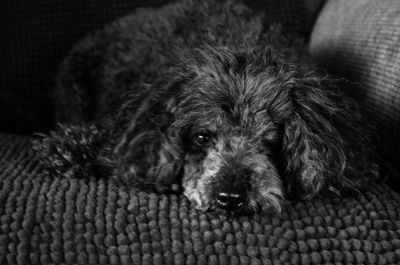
{"x":360,"y":40}
{"x":47,"y":220}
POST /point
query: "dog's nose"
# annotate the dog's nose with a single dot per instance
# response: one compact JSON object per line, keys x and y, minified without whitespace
{"x":231,"y":200}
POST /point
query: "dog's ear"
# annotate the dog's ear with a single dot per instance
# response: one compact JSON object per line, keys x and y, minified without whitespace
{"x":325,"y":144}
{"x":149,"y":153}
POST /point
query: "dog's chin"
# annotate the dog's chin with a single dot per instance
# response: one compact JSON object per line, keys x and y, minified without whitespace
{"x":247,"y":210}
{"x":272,"y":204}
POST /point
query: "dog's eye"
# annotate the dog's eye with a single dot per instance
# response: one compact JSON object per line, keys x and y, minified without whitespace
{"x":201,"y":139}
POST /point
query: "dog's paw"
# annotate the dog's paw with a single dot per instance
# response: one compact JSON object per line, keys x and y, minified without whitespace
{"x":74,"y":151}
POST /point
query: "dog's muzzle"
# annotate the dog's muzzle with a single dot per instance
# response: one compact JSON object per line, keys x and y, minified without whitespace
{"x":231,"y":190}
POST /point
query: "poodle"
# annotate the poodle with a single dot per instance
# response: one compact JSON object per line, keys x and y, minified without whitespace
{"x":208,"y":98}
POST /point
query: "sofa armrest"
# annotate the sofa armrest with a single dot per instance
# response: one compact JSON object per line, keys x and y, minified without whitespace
{"x":360,"y":40}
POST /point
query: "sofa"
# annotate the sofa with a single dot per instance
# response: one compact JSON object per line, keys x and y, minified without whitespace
{"x":55,"y":220}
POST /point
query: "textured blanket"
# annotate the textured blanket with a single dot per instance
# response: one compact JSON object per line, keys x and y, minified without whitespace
{"x":74,"y":221}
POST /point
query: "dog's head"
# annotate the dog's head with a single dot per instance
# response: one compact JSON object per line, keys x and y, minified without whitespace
{"x":239,"y":130}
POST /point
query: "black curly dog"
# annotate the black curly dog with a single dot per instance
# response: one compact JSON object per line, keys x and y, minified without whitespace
{"x":209,"y":98}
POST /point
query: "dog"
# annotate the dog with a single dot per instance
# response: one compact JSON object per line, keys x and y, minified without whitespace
{"x":210,"y":99}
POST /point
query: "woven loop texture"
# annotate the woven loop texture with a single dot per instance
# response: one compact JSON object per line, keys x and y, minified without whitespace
{"x":360,"y":40}
{"x":75,"y":221}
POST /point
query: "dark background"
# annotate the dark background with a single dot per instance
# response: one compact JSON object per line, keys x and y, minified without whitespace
{"x":36,"y":35}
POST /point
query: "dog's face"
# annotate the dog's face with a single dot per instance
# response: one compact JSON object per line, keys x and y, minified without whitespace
{"x":231,"y":133}
{"x":237,"y":131}
{"x":230,"y":158}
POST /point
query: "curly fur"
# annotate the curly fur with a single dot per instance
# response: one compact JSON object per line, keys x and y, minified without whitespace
{"x":157,"y":77}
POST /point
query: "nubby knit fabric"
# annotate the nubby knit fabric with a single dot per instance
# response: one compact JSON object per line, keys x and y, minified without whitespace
{"x":47,"y":220}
